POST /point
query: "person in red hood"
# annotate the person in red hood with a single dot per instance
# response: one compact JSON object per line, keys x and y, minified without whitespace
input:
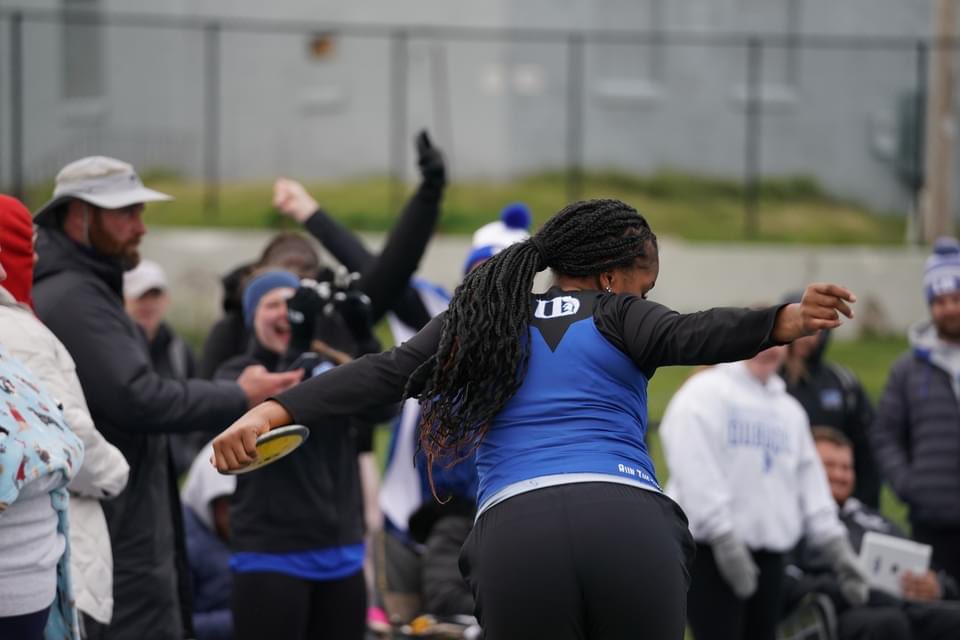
{"x":104,"y":470}
{"x":18,"y":256}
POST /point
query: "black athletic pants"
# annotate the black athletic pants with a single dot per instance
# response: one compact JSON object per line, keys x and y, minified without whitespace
{"x":274,"y":605}
{"x":716,"y":613}
{"x":593,"y":561}
{"x":938,"y":620}
{"x":29,"y":626}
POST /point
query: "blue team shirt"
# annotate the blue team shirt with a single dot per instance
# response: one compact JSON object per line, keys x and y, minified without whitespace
{"x":582,"y":408}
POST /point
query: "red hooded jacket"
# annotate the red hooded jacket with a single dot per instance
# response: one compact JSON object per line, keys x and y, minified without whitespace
{"x":16,"y":248}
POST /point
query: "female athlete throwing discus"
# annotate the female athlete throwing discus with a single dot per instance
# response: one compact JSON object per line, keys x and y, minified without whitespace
{"x":574,"y":538}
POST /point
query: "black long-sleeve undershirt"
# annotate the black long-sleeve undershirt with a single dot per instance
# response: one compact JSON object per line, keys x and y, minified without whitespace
{"x":649,"y":333}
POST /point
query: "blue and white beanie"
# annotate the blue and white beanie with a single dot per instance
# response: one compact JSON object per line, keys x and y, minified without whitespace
{"x":942,"y":274}
{"x":490,"y":239}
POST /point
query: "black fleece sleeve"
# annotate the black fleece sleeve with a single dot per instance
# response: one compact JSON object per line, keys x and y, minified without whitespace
{"x":364,"y":384}
{"x":118,"y":379}
{"x":386,"y":278}
{"x":342,"y":243}
{"x":389,"y":276}
{"x":655,"y":336}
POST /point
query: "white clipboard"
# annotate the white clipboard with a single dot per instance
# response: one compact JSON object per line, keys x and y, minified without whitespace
{"x":885,"y":558}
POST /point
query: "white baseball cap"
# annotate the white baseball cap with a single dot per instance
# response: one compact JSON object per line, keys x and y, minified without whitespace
{"x":146,"y":276}
{"x":104,"y":182}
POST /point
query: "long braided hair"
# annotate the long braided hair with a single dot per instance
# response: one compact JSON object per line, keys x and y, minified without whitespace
{"x":483,"y":352}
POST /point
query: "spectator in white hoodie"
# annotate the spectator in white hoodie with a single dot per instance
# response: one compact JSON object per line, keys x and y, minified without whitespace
{"x":104,"y":471}
{"x":744,"y":468}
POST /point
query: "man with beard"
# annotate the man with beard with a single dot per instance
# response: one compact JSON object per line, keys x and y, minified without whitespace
{"x":88,"y":235}
{"x":916,"y":436}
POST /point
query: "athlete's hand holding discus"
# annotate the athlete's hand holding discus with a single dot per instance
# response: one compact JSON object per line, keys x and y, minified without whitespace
{"x":821,"y":307}
{"x":236,"y":447}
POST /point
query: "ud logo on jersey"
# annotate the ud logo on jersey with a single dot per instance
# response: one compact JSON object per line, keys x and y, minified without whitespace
{"x":557,"y":307}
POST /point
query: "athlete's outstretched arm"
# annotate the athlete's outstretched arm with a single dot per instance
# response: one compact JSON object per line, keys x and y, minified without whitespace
{"x":366,"y":383}
{"x":656,"y":336}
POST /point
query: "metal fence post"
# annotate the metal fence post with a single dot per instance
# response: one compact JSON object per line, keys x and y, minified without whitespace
{"x":575,"y":100}
{"x":398,"y":117}
{"x":752,"y":137}
{"x":442,"y":105}
{"x":211,"y":119}
{"x":919,"y":134}
{"x":16,"y":104}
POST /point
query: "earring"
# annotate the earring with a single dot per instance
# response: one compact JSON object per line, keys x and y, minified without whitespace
{"x":608,"y":289}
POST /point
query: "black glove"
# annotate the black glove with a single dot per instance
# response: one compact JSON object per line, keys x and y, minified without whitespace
{"x":354,"y":308}
{"x":302,"y":311}
{"x":432,"y":167}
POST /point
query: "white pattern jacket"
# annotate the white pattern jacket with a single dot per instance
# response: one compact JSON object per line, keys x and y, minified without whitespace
{"x":104,"y":472}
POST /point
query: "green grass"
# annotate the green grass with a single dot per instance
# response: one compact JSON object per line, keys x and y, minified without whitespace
{"x":698,"y":208}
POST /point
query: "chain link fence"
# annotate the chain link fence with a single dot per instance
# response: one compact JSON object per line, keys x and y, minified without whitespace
{"x":220,"y":100}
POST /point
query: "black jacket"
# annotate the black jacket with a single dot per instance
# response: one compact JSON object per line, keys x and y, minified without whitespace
{"x":229,"y":336}
{"x":312,"y":499}
{"x":833,"y":397}
{"x":78,"y":294}
{"x":171,"y":356}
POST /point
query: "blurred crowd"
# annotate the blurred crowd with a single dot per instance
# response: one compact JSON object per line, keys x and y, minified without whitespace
{"x":114,"y":524}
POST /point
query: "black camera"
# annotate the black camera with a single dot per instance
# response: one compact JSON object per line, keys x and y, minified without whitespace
{"x":316,"y":301}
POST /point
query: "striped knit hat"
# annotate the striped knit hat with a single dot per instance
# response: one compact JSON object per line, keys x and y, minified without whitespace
{"x":942,"y":274}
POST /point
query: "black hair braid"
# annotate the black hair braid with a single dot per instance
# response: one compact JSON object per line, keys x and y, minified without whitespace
{"x":482,"y":357}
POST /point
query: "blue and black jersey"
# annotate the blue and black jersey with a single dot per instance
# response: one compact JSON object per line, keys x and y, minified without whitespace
{"x":581,"y":411}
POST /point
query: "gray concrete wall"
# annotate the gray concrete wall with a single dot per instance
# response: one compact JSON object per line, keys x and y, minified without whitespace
{"x":692,"y":277}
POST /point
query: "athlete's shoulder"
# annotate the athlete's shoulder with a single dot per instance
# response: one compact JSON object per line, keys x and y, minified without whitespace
{"x":625,"y":309}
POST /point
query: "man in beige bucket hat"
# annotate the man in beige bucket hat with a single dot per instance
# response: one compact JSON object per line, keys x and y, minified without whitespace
{"x":88,"y":236}
{"x":98,"y":201}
